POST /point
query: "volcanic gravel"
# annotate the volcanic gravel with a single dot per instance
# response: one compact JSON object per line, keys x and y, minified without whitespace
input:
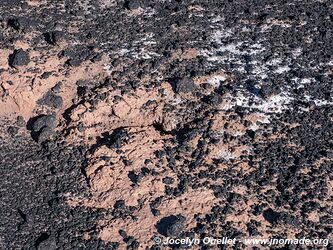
{"x":123,"y":121}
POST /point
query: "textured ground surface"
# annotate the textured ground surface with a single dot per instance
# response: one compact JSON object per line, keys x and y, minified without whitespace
{"x":126,"y":120}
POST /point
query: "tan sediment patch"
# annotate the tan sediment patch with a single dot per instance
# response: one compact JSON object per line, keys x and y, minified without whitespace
{"x":186,"y":54}
{"x":22,"y":87}
{"x":109,"y":181}
{"x":256,"y":120}
{"x":4,"y":58}
{"x":109,"y":178}
{"x":112,"y":114}
{"x":21,"y":45}
{"x":223,"y":124}
{"x":313,"y":216}
{"x":190,"y":54}
{"x":20,"y":97}
{"x":135,"y":12}
{"x":144,"y":228}
{"x":193,"y":202}
{"x":86,"y":236}
{"x":131,"y":110}
{"x":36,"y":2}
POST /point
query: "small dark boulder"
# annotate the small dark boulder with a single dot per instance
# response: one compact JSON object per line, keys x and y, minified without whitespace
{"x":18,"y":58}
{"x":45,"y":134}
{"x":212,"y":99}
{"x":46,"y":75}
{"x":20,"y":121}
{"x":12,"y":130}
{"x":274,"y":217}
{"x":185,"y":85}
{"x":168,"y":180}
{"x":51,"y":100}
{"x":14,"y":23}
{"x":116,"y":139}
{"x":120,"y":204}
{"x":45,"y":121}
{"x":171,"y":226}
{"x":182,"y":85}
{"x":53,"y":37}
{"x":46,"y":242}
{"x":132,"y":4}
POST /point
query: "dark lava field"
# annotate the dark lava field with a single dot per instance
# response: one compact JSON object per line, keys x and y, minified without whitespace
{"x":125,"y":123}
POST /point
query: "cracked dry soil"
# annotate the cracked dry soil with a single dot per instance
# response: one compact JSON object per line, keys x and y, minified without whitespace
{"x":122,"y":121}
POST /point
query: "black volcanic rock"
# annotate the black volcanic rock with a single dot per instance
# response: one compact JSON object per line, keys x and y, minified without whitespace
{"x":171,"y":226}
{"x":51,"y":100}
{"x":183,"y":85}
{"x":18,"y":58}
{"x":45,"y":121}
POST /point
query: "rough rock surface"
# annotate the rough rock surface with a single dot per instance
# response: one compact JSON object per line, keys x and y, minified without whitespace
{"x":123,"y":121}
